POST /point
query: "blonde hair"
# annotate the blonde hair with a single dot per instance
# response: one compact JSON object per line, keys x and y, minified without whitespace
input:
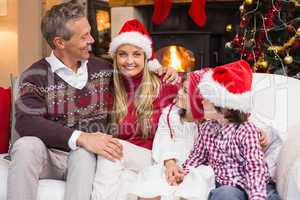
{"x":146,"y":93}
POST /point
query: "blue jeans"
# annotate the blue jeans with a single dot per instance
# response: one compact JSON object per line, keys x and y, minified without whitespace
{"x":272,"y":192}
{"x":224,"y":192}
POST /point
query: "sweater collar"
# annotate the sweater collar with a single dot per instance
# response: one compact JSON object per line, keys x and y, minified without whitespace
{"x":57,"y":65}
{"x":131,"y":83}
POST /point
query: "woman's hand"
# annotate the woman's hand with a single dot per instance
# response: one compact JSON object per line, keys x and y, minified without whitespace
{"x":174,"y":173}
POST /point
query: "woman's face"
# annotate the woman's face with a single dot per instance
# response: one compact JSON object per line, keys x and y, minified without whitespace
{"x":130,"y":60}
{"x":182,"y":99}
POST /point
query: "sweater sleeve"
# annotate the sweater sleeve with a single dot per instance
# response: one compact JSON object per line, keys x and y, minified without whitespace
{"x":31,"y":109}
{"x":198,"y":154}
{"x":256,"y":171}
{"x":163,"y":145}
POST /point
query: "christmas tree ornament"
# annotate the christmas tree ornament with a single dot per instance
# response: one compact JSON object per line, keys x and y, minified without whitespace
{"x":296,"y":45}
{"x":228,"y":45}
{"x":228,"y":27}
{"x":264,"y":64}
{"x":243,"y":22}
{"x":248,"y":2}
{"x":261,"y":63}
{"x":288,"y":59}
{"x":242,"y":8}
{"x":237,"y":40}
{"x":298,"y":32}
{"x":291,"y":28}
{"x":250,"y":57}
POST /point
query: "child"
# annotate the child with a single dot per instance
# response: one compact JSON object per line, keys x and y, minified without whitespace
{"x":172,"y":144}
{"x":226,"y":142}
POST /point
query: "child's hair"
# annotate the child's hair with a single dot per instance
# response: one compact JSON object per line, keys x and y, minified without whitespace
{"x":182,"y":111}
{"x":231,"y":115}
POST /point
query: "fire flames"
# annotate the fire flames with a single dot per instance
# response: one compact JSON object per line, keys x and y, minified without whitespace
{"x":178,"y":58}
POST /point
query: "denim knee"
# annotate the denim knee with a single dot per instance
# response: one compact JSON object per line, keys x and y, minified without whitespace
{"x":227,"y":193}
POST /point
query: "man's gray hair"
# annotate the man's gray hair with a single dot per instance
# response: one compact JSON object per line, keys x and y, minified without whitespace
{"x":55,"y":20}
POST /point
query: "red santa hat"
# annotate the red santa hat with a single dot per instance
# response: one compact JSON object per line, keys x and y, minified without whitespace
{"x":195,"y":98}
{"x":228,"y":86}
{"x":133,"y":32}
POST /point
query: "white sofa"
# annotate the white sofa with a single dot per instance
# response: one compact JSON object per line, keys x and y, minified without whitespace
{"x":276,"y":102}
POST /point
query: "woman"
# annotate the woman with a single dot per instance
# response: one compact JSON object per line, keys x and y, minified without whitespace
{"x":140,"y":96}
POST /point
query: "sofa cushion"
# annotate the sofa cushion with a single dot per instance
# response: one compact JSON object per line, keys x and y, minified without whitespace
{"x":288,"y":171}
{"x":3,"y":174}
{"x":276,"y":101}
{"x":48,"y":189}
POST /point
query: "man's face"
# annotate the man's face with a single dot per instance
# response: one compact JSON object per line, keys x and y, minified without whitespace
{"x":77,"y":47}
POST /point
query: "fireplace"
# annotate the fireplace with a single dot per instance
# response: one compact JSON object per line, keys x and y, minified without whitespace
{"x":178,"y":37}
{"x":207,"y":44}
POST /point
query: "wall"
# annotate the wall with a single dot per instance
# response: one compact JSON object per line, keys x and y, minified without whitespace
{"x":21,"y":42}
{"x":20,"y":38}
{"x":119,"y":15}
{"x":9,"y":43}
{"x":29,"y":34}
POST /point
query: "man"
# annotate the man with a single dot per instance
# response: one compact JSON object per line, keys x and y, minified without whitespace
{"x":63,"y":105}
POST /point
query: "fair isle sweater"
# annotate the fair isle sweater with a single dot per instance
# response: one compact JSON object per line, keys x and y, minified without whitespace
{"x":50,"y":109}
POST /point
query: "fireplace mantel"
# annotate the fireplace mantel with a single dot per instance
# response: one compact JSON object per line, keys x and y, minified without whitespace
{"x":120,"y":3}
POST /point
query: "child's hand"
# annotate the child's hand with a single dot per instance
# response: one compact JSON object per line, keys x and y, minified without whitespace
{"x":174,"y":173}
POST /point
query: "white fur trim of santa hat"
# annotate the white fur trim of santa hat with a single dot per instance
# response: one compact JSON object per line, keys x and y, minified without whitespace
{"x":133,"y":38}
{"x":217,"y":94}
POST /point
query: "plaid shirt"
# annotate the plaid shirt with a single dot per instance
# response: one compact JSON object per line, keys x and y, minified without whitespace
{"x":235,"y":154}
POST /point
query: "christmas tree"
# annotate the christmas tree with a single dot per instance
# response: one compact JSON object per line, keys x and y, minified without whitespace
{"x":268,"y":36}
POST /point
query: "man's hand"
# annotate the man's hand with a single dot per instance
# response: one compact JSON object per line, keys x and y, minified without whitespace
{"x":101,"y":144}
{"x":174,"y":173}
{"x":171,"y":76}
